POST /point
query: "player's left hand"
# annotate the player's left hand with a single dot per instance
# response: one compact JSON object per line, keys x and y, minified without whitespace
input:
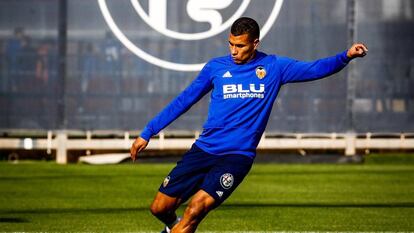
{"x":357,"y":50}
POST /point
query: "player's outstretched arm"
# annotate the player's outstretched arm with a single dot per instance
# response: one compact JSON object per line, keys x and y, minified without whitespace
{"x":301,"y":71}
{"x":139,"y":145}
{"x":357,"y":50}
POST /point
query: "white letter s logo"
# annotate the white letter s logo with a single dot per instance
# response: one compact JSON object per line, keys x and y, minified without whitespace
{"x":198,"y":10}
{"x":206,"y":11}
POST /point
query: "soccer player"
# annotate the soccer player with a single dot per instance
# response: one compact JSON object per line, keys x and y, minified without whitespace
{"x":243,"y":85}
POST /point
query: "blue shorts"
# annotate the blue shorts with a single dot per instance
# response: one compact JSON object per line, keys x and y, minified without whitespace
{"x":217,"y":175}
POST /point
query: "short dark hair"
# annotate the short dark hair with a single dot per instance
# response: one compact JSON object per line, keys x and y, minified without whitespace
{"x":246,"y":25}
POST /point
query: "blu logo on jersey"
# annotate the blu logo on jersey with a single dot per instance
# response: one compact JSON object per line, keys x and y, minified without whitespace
{"x":238,"y":88}
{"x":233,"y":91}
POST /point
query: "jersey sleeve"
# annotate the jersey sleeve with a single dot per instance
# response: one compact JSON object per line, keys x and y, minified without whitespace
{"x":193,"y":93}
{"x":300,"y":71}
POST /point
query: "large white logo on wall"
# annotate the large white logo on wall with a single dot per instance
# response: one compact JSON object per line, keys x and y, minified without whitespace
{"x":198,"y":10}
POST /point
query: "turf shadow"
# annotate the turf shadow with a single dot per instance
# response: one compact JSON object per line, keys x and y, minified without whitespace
{"x":334,"y":172}
{"x":71,"y":177}
{"x":75,"y":211}
{"x":224,"y":206}
{"x":318,"y":205}
{"x":13,"y":220}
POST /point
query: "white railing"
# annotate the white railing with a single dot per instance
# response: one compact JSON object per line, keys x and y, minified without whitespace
{"x":62,"y":141}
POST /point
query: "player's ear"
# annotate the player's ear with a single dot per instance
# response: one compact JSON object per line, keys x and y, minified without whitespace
{"x":256,"y":43}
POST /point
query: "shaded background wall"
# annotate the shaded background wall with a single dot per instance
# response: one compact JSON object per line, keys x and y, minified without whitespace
{"x":97,"y":83}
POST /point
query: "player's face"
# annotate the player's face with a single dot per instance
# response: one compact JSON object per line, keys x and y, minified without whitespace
{"x":242,"y":48}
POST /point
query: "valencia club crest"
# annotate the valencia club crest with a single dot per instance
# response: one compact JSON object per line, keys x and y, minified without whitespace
{"x":260,"y":72}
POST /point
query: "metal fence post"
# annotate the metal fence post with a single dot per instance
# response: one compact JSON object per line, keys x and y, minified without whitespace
{"x":350,"y":73}
{"x":350,"y":137}
{"x":62,"y":45}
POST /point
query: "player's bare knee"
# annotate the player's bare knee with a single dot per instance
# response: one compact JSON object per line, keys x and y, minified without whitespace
{"x":163,"y":205}
{"x":154,"y":209}
{"x":157,"y":209}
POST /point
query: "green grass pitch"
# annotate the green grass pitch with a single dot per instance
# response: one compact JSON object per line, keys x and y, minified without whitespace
{"x":45,"y":197}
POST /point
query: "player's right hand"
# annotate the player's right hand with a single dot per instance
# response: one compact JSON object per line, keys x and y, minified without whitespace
{"x":138,"y":145}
